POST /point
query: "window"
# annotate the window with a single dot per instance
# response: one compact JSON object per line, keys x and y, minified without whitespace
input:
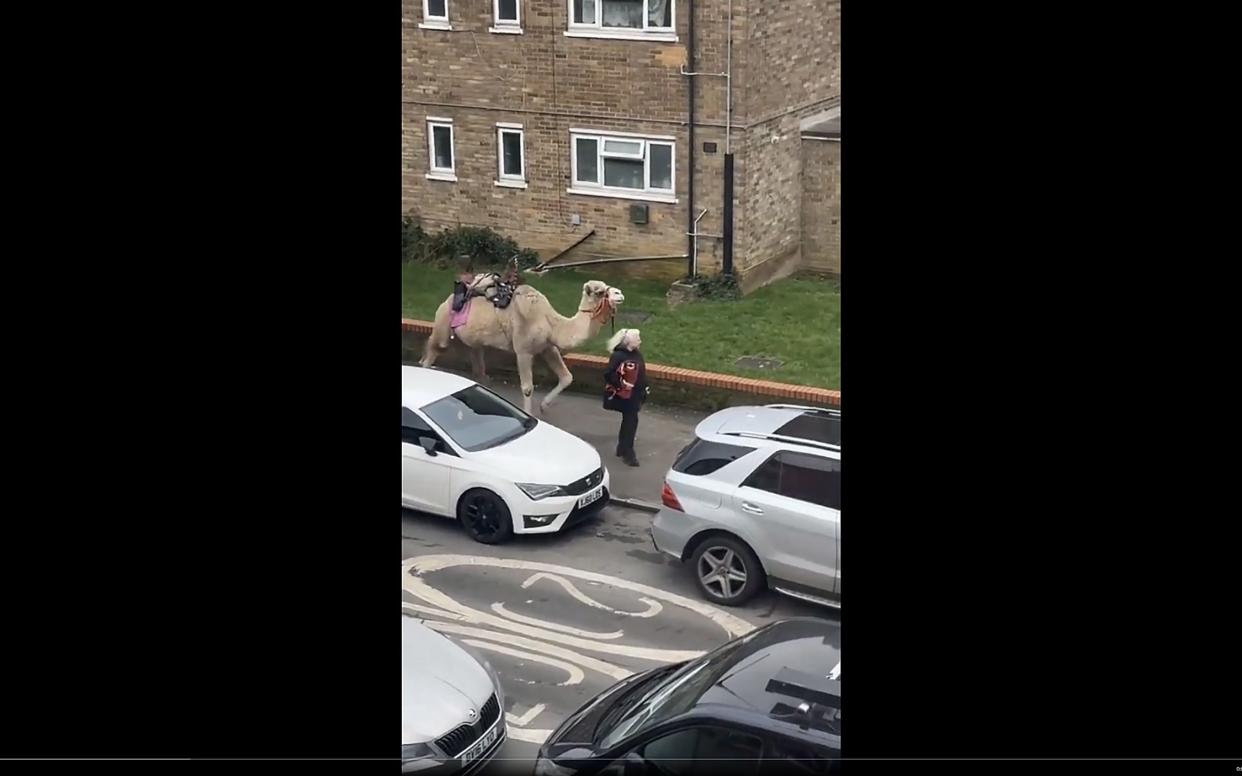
{"x":815,"y":425}
{"x":796,"y":757}
{"x":629,"y":166}
{"x":440,"y":149}
{"x":507,"y":15}
{"x":476,"y":419}
{"x":622,"y":18}
{"x":435,"y":15}
{"x":703,"y":750}
{"x":414,"y":429}
{"x":809,"y":478}
{"x":510,"y":156}
{"x":703,"y":457}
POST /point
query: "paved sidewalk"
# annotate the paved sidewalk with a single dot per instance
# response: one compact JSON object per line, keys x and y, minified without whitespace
{"x":662,"y":433}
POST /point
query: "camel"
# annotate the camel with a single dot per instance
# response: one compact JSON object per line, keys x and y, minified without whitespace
{"x":528,"y":327}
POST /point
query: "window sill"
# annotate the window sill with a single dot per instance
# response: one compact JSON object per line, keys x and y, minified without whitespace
{"x":511,"y":184}
{"x":644,"y":197}
{"x":442,"y":176}
{"x":653,"y":37}
{"x":506,"y":30}
{"x":434,"y":26}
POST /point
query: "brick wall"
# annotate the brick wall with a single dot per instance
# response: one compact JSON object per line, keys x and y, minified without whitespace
{"x":548,"y":83}
{"x":793,"y":73}
{"x":821,"y":206}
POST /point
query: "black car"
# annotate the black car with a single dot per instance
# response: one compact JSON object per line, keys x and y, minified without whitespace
{"x":766,"y":702}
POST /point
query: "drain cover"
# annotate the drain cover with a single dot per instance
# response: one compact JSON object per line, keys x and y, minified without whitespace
{"x":758,"y":362}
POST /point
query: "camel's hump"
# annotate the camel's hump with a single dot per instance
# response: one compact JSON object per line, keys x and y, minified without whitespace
{"x":529,"y":301}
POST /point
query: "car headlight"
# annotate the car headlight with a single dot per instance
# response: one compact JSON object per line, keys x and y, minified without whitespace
{"x":416,"y":751}
{"x":537,"y":492}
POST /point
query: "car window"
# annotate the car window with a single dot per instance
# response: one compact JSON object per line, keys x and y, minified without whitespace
{"x":476,"y":419}
{"x":797,"y":757}
{"x":703,"y":457}
{"x":703,"y":750}
{"x":766,"y":477}
{"x":816,"y":426}
{"x":809,"y":478}
{"x":414,"y":428}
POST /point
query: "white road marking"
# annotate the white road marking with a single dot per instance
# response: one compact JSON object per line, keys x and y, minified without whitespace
{"x":499,"y":608}
{"x":653,"y":607}
{"x":529,"y":736}
{"x":527,"y":718}
{"x":732,"y":625}
{"x":431,"y":611}
{"x":575,"y":673}
{"x":420,"y":589}
{"x":607,"y":669}
{"x":835,"y":672}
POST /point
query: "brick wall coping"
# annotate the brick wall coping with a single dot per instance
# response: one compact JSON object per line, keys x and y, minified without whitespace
{"x":675,"y":374}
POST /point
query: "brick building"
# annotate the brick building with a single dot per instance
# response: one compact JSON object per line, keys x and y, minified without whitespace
{"x":549,"y":119}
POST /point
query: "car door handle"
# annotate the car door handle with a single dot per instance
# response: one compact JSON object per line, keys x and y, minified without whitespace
{"x":751,"y":508}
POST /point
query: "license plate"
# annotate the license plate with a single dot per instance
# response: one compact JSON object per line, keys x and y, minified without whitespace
{"x":591,"y":497}
{"x":480,"y":746}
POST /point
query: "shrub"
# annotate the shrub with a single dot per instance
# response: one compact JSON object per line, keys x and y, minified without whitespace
{"x":716,"y":287}
{"x":483,"y":247}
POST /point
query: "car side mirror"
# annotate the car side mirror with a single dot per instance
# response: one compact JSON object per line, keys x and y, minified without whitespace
{"x":429,"y":445}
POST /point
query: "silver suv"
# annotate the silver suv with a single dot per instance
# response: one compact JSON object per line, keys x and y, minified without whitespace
{"x":755,"y":501}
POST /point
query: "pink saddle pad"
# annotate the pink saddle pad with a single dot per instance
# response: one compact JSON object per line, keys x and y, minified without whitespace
{"x":459,"y":317}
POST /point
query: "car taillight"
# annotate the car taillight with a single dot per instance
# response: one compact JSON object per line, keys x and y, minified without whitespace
{"x":670,"y":499}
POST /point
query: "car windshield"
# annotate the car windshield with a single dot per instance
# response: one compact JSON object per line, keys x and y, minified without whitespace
{"x":476,"y":419}
{"x":675,"y":695}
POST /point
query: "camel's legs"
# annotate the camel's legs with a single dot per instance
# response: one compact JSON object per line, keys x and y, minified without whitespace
{"x":430,"y":351}
{"x":478,"y":365}
{"x":524,"y":362}
{"x":563,"y":376}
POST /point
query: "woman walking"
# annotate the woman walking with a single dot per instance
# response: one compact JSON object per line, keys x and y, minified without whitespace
{"x":625,"y":388}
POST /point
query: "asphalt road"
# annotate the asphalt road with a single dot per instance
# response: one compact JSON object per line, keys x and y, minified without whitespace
{"x":562,"y":617}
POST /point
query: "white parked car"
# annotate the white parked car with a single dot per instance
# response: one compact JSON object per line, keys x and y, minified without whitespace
{"x":755,"y":501}
{"x":452,"y":705}
{"x":469,"y":454}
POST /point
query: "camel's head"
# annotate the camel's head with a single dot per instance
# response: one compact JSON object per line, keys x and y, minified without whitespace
{"x":600,"y":299}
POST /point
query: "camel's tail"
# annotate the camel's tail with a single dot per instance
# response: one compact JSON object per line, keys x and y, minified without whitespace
{"x":441,"y":333}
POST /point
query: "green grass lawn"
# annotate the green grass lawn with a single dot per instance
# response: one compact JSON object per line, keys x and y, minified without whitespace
{"x":797,"y":321}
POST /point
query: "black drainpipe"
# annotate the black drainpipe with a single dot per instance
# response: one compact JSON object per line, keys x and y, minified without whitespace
{"x":690,"y":188}
{"x":727,"y":267}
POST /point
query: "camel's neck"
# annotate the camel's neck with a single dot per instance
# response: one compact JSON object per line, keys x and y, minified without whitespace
{"x":569,"y":333}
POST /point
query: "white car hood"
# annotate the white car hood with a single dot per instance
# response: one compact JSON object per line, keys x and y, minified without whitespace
{"x":544,"y":455}
{"x":440,"y":683}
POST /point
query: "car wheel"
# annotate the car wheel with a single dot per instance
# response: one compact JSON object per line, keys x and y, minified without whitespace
{"x":727,"y":570}
{"x":485,"y":517}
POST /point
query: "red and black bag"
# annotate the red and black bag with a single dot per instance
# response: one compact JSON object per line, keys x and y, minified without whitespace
{"x":626,"y":372}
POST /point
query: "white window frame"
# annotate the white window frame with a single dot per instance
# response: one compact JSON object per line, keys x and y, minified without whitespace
{"x":503,"y":179}
{"x":430,"y":22}
{"x":596,"y":28}
{"x":506,"y":26}
{"x":440,"y":173}
{"x":599,"y":189}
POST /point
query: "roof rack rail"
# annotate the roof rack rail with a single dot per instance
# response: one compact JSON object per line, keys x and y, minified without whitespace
{"x":782,"y":438}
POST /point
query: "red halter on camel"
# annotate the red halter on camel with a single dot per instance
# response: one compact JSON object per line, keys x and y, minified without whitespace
{"x":605,"y":310}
